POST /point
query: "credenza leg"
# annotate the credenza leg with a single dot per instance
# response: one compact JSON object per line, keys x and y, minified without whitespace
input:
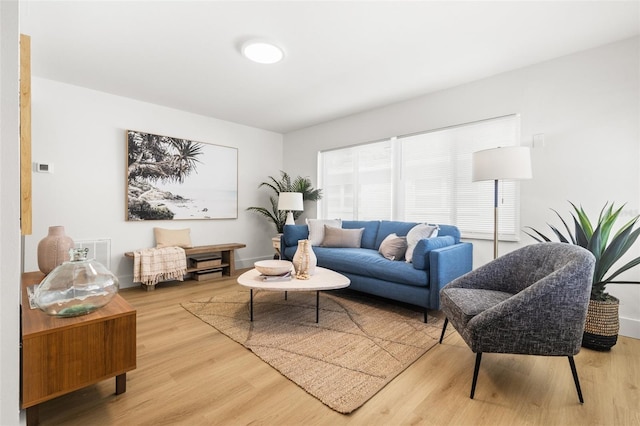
{"x":121,"y":383}
{"x":33,"y":416}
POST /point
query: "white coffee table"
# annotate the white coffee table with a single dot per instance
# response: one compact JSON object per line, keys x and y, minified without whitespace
{"x":322,"y":279}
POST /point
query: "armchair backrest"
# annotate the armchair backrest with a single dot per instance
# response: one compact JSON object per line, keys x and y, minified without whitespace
{"x":521,"y":268}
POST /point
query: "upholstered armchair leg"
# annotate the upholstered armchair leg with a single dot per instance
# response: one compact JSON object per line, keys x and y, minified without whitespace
{"x":575,"y":378}
{"x":475,"y":373}
{"x":425,"y":316}
{"x":444,"y":328}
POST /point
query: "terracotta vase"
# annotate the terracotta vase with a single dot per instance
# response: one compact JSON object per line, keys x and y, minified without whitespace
{"x":53,"y":249}
{"x":304,"y":260}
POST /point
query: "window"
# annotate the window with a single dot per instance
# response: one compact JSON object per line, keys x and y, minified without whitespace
{"x":357,"y":182}
{"x":424,"y":177}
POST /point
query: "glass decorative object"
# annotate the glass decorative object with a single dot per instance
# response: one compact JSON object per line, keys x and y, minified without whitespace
{"x":76,"y":287}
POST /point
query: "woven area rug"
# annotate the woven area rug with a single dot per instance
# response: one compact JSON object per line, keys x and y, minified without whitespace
{"x":359,"y":345}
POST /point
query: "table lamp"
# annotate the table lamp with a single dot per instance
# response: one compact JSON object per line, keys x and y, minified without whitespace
{"x":290,"y":201}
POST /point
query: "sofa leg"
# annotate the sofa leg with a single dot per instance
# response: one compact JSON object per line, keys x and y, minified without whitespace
{"x":425,"y":316}
{"x":575,"y":378}
{"x":444,"y":328}
{"x":475,"y":374}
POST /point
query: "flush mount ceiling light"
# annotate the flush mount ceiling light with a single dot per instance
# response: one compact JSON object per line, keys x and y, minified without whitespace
{"x":262,"y":52}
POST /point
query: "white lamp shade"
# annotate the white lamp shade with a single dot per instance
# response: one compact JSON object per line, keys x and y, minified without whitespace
{"x":290,"y":201}
{"x":512,"y":162}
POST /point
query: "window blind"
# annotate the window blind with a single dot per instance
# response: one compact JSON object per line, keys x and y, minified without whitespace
{"x":357,"y":182}
{"x":423,"y":177}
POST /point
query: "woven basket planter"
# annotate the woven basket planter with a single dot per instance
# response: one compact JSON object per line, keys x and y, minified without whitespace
{"x":603,"y":323}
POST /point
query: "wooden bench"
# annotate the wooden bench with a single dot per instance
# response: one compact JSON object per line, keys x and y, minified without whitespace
{"x":226,"y":264}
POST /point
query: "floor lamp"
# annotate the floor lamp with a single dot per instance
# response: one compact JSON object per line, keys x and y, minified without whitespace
{"x":507,"y":163}
{"x":290,"y":201}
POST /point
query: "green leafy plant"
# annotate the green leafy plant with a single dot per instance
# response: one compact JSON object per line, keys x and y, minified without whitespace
{"x":285,"y":184}
{"x":597,"y":239}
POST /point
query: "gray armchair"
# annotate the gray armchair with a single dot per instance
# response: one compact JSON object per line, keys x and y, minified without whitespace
{"x":531,"y":301}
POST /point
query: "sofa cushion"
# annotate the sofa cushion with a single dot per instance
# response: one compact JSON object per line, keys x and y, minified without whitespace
{"x":316,"y":229}
{"x":424,"y":247}
{"x":393,"y":247}
{"x":450,"y":230}
{"x":417,"y":233}
{"x":370,"y":263}
{"x":369,"y":234}
{"x":293,"y":233}
{"x":387,"y":227}
{"x":338,"y":237}
{"x":466,"y":303}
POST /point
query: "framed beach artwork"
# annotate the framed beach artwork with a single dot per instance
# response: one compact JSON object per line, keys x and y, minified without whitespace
{"x":172,"y":179}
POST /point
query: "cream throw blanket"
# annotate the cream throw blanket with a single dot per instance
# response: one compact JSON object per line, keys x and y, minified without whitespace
{"x":153,"y":265}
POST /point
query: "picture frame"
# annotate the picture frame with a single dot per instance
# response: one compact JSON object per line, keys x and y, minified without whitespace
{"x":171,"y":178}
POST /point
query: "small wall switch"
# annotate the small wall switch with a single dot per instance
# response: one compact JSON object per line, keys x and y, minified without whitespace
{"x":538,"y":140}
{"x":44,"y":167}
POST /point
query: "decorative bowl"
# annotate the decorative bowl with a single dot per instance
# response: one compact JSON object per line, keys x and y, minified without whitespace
{"x":273,"y":267}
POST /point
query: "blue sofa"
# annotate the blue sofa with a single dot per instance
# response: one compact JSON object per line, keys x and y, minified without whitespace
{"x":435,"y":262}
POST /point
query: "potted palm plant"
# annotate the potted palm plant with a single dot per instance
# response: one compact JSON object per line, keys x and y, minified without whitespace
{"x":601,"y":328}
{"x":285,"y":184}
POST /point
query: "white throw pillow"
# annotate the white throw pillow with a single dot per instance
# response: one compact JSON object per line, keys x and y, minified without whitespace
{"x":416,"y":234}
{"x":316,"y":229}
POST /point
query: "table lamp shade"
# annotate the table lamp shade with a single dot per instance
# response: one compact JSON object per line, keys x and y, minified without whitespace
{"x":290,"y":201}
{"x":513,"y":162}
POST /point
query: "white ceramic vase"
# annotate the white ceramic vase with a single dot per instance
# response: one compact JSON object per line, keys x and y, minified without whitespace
{"x":304,"y":260}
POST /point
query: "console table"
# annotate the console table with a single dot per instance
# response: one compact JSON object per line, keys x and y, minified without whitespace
{"x":227,"y":259}
{"x":61,"y":355}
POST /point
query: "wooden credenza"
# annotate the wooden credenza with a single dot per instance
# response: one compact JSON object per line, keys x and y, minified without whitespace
{"x":60,"y":355}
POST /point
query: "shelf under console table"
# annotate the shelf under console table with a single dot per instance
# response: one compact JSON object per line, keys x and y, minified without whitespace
{"x":61,"y":355}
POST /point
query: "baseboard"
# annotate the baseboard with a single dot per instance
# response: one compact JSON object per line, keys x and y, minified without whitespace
{"x":629,"y":327}
{"x":126,"y":281}
{"x":248,"y":263}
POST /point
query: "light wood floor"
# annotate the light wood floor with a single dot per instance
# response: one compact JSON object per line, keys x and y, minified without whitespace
{"x":189,"y":374}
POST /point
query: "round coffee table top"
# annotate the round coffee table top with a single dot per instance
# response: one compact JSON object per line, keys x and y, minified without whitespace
{"x":322,"y":279}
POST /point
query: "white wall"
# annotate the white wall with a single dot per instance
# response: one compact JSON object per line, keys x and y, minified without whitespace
{"x":586,"y":105}
{"x":82,"y":133}
{"x":9,"y":216}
